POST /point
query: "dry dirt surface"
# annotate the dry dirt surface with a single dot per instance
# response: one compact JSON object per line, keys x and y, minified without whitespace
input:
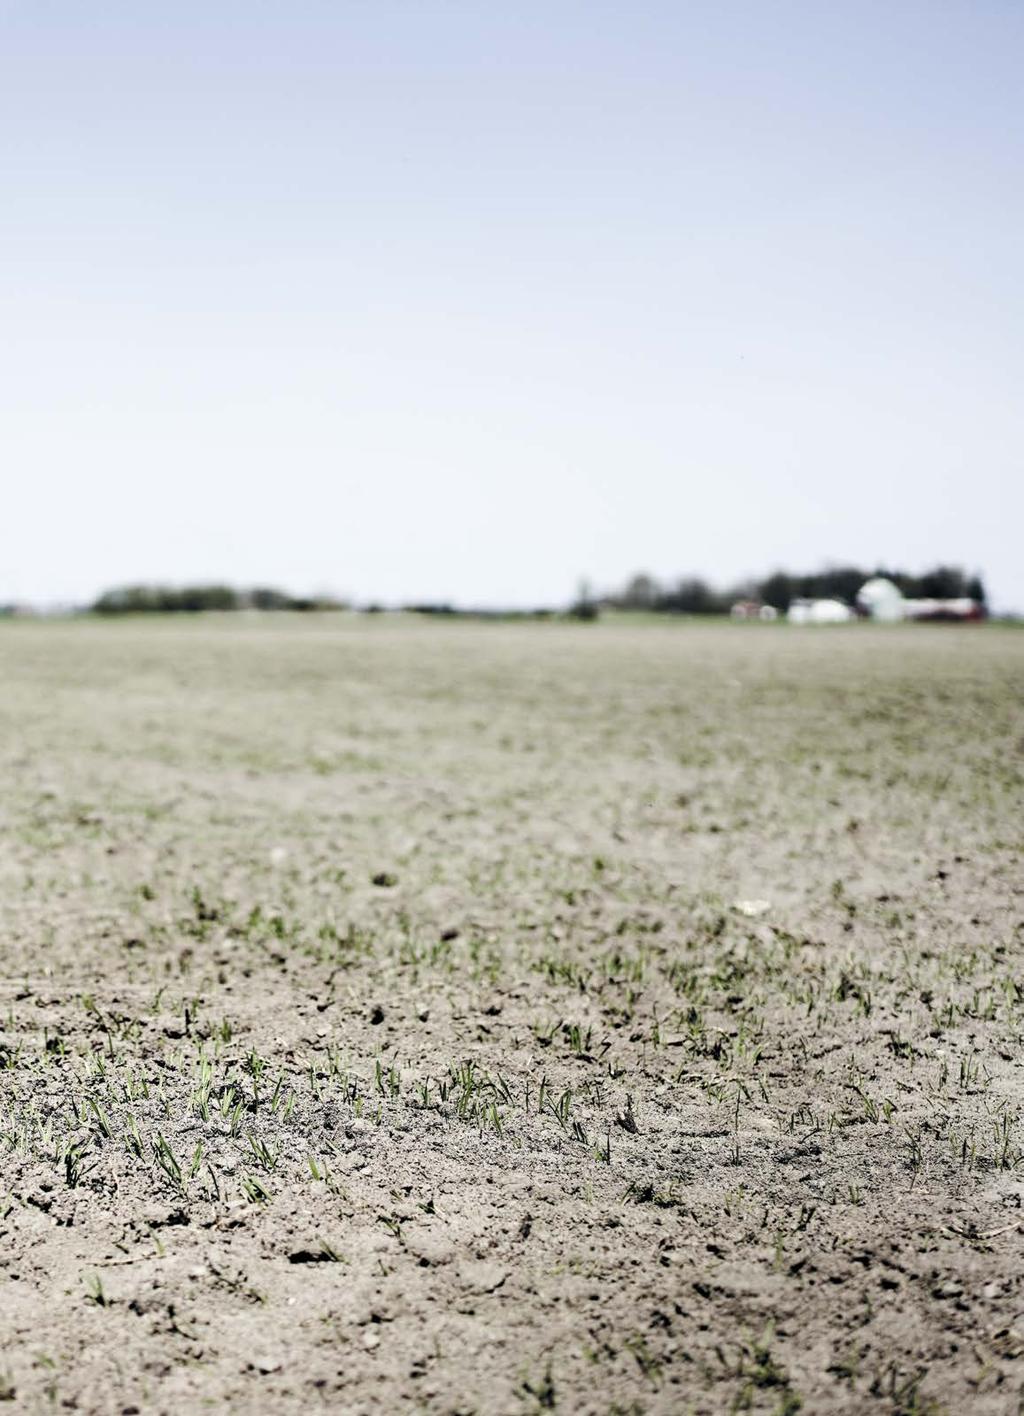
{"x":402,"y":1016}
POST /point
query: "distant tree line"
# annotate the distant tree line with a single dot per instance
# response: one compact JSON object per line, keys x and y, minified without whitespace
{"x":445,"y":610}
{"x":689,"y":595}
{"x":694,"y":596}
{"x":191,"y":599}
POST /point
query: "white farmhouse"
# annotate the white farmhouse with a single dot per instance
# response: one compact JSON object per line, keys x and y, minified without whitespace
{"x":819,"y":612}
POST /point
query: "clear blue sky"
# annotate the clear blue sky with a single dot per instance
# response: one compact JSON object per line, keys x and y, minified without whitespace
{"x":468,"y":300}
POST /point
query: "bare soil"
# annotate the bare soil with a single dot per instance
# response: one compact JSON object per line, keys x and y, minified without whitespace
{"x":499,"y":1018}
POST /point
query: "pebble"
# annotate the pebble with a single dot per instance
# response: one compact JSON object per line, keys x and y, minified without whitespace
{"x":752,"y":908}
{"x":481,"y":1276}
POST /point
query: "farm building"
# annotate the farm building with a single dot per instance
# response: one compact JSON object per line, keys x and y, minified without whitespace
{"x":880,"y":599}
{"x":819,"y":612}
{"x":753,"y":610}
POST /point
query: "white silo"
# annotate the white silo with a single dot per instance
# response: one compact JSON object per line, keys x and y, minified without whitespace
{"x":881,"y":599}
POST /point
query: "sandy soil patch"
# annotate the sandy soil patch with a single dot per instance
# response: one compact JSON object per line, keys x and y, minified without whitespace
{"x":499,"y":1018}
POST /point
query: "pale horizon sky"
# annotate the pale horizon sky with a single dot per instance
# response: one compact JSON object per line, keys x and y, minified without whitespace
{"x":443,"y":301}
